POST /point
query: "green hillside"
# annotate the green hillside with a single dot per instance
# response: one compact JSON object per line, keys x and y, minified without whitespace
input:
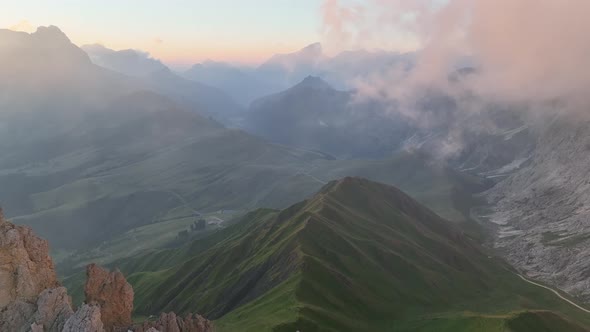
{"x":357,"y":256}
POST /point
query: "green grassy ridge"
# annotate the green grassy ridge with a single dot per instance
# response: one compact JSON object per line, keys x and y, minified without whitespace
{"x":159,"y":260}
{"x":357,"y":256}
{"x":254,"y":253}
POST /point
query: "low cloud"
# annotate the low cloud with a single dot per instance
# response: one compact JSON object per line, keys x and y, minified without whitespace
{"x":525,"y":52}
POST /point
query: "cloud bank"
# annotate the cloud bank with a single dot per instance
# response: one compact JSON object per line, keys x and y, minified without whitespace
{"x":527,"y":54}
{"x":525,"y":50}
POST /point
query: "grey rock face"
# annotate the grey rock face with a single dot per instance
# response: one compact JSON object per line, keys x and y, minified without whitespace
{"x":16,"y":316}
{"x":543,"y":210}
{"x":36,"y":327}
{"x":86,"y":319}
{"x":53,"y":309}
{"x":48,"y":314}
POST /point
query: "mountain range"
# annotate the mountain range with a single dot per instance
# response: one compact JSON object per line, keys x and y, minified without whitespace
{"x":155,"y":76}
{"x":282,"y":71}
{"x":312,"y":114}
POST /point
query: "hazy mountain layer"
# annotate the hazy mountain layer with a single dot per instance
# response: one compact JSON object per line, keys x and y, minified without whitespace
{"x":153,"y":75}
{"x":314,"y":115}
{"x":491,"y":140}
{"x":282,"y":71}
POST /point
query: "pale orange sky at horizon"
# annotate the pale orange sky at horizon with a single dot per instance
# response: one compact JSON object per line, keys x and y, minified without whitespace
{"x":178,"y":32}
{"x":181,"y":33}
{"x":178,"y":56}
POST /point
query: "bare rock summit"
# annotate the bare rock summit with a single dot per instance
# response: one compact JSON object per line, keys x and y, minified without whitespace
{"x":112,"y":293}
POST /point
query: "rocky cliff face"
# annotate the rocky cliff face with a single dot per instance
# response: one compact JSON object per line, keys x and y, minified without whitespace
{"x":32,"y":300}
{"x":25,"y":266}
{"x":112,"y":293}
{"x":30,"y":295}
{"x":86,"y":319}
{"x":543,"y":211}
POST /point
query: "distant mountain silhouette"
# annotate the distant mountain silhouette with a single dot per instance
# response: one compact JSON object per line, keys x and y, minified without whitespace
{"x":128,"y":62}
{"x":281,"y":71}
{"x":316,"y":116}
{"x":156,"y":76}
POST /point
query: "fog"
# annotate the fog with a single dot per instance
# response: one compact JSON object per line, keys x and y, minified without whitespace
{"x":524,"y":50}
{"x":526,"y":54}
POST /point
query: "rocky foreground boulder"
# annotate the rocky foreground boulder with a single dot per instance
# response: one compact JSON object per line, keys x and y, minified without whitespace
{"x":30,"y":295}
{"x":113,"y":294}
{"x":87,"y":319}
{"x":25,"y":266}
{"x":32,"y":299}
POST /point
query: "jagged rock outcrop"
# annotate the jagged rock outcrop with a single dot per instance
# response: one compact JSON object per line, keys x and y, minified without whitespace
{"x":31,"y":298}
{"x":25,"y":266}
{"x":87,"y":319}
{"x":53,"y":309}
{"x":17,"y":316}
{"x":112,"y":293}
{"x":169,"y":322}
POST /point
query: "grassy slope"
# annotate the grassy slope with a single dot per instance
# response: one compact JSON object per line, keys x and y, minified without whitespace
{"x":357,"y":256}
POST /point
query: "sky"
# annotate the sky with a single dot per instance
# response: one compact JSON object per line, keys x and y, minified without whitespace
{"x":179,"y":32}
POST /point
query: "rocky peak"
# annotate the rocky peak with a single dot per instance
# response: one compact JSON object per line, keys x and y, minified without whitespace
{"x":313,"y":50}
{"x":112,"y":293}
{"x":314,"y":82}
{"x":51,"y":34}
{"x":30,"y":295}
{"x":26,"y":268}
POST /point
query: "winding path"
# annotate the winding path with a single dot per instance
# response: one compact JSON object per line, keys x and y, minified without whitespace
{"x":554,"y":292}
